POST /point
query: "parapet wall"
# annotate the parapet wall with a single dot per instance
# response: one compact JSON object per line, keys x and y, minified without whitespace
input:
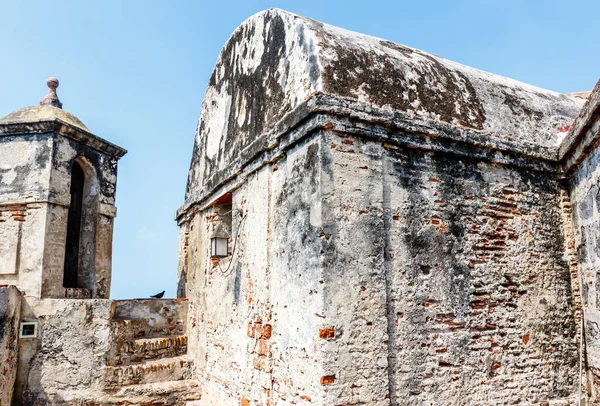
{"x":79,"y":341}
{"x":163,"y":316}
{"x":65,"y":362}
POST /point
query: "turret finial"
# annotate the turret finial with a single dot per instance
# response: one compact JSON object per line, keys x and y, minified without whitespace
{"x":52,"y":98}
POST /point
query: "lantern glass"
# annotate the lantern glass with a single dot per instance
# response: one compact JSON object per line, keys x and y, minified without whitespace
{"x":218,"y":247}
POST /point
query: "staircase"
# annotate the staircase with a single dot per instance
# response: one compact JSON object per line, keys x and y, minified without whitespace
{"x":148,"y":362}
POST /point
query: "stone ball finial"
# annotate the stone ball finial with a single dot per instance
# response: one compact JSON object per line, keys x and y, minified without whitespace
{"x":52,"y":98}
{"x":52,"y":82}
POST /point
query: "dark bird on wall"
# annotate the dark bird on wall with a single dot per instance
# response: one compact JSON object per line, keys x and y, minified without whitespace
{"x":158,"y":295}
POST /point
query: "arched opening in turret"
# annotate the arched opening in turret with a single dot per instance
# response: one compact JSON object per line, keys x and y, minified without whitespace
{"x":74,"y":227}
{"x":81,"y":227}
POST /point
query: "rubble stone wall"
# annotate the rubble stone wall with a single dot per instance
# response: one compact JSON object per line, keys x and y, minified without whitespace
{"x":402,"y":229}
{"x":255,"y":316}
{"x":77,"y":339}
{"x":65,"y":362}
{"x":163,"y":316}
{"x":369,"y":272}
{"x":10,"y":316}
{"x":448,"y":275}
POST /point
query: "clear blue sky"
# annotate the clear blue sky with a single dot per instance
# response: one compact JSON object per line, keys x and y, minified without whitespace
{"x":135,"y":73}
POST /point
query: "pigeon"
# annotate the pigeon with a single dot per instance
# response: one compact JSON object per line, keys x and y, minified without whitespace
{"x":158,"y":295}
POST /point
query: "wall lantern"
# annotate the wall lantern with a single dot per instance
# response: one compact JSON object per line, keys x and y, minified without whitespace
{"x":219,"y":247}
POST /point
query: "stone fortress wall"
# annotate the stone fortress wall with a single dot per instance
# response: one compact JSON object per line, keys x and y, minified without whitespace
{"x":401,"y":230}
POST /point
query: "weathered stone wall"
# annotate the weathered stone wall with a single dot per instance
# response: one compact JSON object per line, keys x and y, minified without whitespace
{"x":585,"y":195}
{"x":415,"y":250}
{"x":98,"y":215}
{"x":478,"y":297}
{"x":275,"y":60}
{"x":66,"y":361}
{"x":384,"y":274}
{"x":34,"y":187}
{"x":163,"y":316}
{"x":26,"y":162}
{"x":10,"y":315}
{"x":255,"y":316}
{"x":297,"y":282}
{"x":25,"y":167}
{"x":82,"y":345}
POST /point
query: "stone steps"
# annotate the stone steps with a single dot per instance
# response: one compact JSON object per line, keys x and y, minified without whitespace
{"x":142,"y":349}
{"x":160,"y":388}
{"x":150,"y":371}
{"x":147,"y":364}
{"x":173,"y":393}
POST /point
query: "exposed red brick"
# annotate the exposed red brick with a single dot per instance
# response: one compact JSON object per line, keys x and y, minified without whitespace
{"x":250,"y":331}
{"x":327,"y":379}
{"x":245,"y":402}
{"x":327,"y":333}
{"x":266,"y":333}
{"x":263,"y":347}
{"x":526,"y":338}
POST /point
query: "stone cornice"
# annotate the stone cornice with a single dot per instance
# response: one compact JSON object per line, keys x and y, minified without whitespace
{"x":584,"y":134}
{"x":65,"y":129}
{"x":326,"y":112}
{"x":104,"y":209}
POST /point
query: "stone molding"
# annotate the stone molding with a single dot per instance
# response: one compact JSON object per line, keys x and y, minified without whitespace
{"x":583,"y":136}
{"x":107,"y":210}
{"x":58,"y":126}
{"x":327,"y":112}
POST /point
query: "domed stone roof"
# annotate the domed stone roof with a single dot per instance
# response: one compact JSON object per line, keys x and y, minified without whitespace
{"x":50,"y":109}
{"x":42,"y":113}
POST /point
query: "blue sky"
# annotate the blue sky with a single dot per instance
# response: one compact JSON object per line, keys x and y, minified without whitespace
{"x":135,"y":73}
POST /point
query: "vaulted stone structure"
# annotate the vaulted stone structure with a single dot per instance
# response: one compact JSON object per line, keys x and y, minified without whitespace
{"x":401,"y":229}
